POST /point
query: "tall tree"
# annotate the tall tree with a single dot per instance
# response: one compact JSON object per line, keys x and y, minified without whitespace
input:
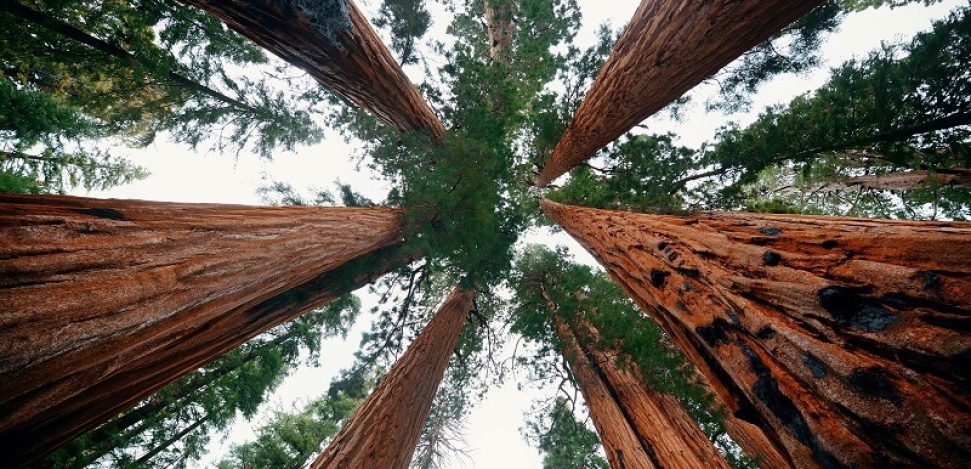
{"x":623,"y":445}
{"x":385,"y":428}
{"x":819,"y":325}
{"x":333,"y":42}
{"x":666,"y":50}
{"x":656,"y":389}
{"x":140,"y":293}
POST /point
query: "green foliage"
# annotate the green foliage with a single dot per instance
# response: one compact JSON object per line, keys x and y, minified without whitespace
{"x":640,"y":173}
{"x":126,"y":71}
{"x":287,"y":440}
{"x":408,"y":21}
{"x":566,"y":443}
{"x":893,"y":110}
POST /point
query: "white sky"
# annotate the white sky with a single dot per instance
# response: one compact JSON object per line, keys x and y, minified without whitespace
{"x":179,"y":174}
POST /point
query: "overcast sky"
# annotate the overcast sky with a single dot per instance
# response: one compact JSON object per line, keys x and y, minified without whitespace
{"x":493,"y":437}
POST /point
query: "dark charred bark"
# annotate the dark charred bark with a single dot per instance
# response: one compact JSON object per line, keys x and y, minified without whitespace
{"x":668,"y":47}
{"x":386,"y":427}
{"x":103,"y":302}
{"x":333,"y":42}
{"x":845,"y":339}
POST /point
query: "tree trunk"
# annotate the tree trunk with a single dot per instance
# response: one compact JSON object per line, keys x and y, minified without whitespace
{"x":907,"y":180}
{"x":846,"y":339}
{"x":659,"y":419}
{"x":386,"y":427}
{"x":103,"y":302}
{"x":501,"y":26}
{"x":624,"y":447}
{"x":669,"y":46}
{"x":333,"y":42}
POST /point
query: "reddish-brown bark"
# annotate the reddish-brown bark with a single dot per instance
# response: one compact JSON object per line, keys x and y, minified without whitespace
{"x":621,"y":443}
{"x":384,"y":430}
{"x":658,"y":419}
{"x":669,"y":46}
{"x":845,"y":339}
{"x":103,"y":302}
{"x":338,"y":48}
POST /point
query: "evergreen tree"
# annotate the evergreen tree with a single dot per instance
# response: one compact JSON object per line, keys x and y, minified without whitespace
{"x":123,"y":72}
{"x":565,"y":441}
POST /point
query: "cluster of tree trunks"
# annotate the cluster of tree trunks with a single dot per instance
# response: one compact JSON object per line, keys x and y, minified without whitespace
{"x":386,"y":427}
{"x":333,"y":42}
{"x":638,"y":426}
{"x":668,"y":47}
{"x":103,"y":302}
{"x":846,"y":340}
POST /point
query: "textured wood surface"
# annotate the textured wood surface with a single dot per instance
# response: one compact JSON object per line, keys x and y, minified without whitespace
{"x":501,"y":27}
{"x":358,"y":66}
{"x":659,"y":420}
{"x":846,"y":339}
{"x":621,"y":443}
{"x":104,"y":301}
{"x":669,"y":46}
{"x":384,"y":430}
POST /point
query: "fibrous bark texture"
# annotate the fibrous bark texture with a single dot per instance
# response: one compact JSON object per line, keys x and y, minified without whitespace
{"x":669,"y":46}
{"x":621,"y":443}
{"x":386,"y":427}
{"x":103,"y":302}
{"x":845,"y":339}
{"x":501,"y":26}
{"x":333,"y":42}
{"x":673,"y":437}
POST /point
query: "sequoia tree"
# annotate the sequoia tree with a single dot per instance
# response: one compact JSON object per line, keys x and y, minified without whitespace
{"x":667,"y":49}
{"x":106,"y":301}
{"x":333,"y":42}
{"x":843,"y":338}
{"x":385,"y":428}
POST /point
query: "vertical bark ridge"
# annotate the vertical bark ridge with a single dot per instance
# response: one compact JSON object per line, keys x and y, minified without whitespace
{"x":624,"y":447}
{"x":333,"y":42}
{"x":659,"y":419}
{"x":669,"y":46}
{"x":386,"y":427}
{"x":104,"y":301}
{"x":847,"y":336}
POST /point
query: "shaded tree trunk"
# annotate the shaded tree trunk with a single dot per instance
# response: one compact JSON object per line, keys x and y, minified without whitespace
{"x":501,"y":27}
{"x":103,"y":302}
{"x":846,"y":339}
{"x":386,"y":427}
{"x":659,"y":419}
{"x":907,"y":180}
{"x":624,"y":447}
{"x":669,"y":46}
{"x":333,"y":42}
